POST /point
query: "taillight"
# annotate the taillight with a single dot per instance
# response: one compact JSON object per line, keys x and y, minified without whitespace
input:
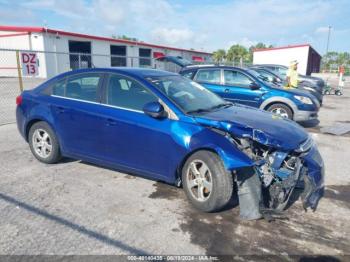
{"x":19,"y":100}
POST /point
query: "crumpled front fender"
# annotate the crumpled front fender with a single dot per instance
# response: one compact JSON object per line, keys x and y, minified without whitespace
{"x":314,"y":179}
{"x":232,"y":157}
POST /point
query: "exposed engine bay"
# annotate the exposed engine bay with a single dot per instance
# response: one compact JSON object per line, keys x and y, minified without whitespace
{"x":276,"y":166}
{"x":279,"y":173}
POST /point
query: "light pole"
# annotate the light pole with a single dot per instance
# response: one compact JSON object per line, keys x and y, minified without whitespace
{"x":329,"y":35}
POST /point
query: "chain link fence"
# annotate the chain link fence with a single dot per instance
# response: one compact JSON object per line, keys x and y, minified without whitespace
{"x":16,"y":75}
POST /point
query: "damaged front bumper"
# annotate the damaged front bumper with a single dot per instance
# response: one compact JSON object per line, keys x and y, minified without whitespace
{"x":308,"y":167}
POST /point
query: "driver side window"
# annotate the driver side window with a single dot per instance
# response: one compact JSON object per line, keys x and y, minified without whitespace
{"x":236,"y":78}
{"x":127,"y":93}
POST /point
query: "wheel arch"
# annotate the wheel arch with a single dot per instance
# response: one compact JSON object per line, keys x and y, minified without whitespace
{"x":279,"y":100}
{"x":34,"y":120}
{"x":231,"y":160}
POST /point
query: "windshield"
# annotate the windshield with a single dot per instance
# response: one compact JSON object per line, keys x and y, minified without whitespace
{"x":190,"y":96}
{"x":258,"y":75}
{"x":182,"y":60}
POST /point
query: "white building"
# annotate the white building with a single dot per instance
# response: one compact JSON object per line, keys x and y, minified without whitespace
{"x":309,"y":60}
{"x":62,"y":51}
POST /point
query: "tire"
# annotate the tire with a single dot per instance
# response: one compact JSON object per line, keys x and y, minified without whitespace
{"x":213,"y":172}
{"x":43,"y":143}
{"x":282,"y":110}
{"x":327,"y":92}
{"x":338,"y":93}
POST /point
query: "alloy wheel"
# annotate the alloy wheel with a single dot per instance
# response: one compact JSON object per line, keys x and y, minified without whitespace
{"x":280,"y":111}
{"x":42,"y":143}
{"x":199,"y":180}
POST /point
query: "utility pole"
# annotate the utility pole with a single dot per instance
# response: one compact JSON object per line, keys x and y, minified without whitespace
{"x":329,"y":35}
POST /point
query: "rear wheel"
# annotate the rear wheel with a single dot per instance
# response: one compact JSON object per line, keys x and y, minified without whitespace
{"x":43,"y":143}
{"x":282,"y":110}
{"x":207,"y":184}
{"x":338,"y":93}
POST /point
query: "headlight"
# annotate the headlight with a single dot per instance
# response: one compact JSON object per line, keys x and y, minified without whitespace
{"x":306,"y":145}
{"x":309,"y":88}
{"x":304,"y":100}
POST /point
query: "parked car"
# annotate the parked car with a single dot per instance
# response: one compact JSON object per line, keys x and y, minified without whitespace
{"x":244,"y":86}
{"x":171,"y":63}
{"x":163,"y":126}
{"x":271,"y":77}
{"x":304,"y":81}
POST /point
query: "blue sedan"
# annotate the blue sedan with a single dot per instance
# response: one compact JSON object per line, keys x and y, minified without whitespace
{"x":166,"y":127}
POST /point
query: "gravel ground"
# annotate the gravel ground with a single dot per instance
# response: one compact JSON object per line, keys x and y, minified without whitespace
{"x":77,"y":208}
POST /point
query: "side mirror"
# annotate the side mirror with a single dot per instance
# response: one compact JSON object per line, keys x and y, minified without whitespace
{"x":276,"y":80}
{"x":254,"y":86}
{"x":155,"y":110}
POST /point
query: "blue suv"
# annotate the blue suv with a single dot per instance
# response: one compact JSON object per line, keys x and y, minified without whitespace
{"x":246,"y":86}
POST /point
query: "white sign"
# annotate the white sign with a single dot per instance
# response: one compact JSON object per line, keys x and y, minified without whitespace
{"x":29,"y":64}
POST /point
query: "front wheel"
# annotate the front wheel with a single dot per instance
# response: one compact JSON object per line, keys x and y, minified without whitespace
{"x":207,"y":184}
{"x":282,"y":110}
{"x":43,"y":143}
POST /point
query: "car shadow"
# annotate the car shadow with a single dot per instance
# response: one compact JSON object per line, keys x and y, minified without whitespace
{"x":65,"y":160}
{"x":76,"y":227}
{"x":310,"y":123}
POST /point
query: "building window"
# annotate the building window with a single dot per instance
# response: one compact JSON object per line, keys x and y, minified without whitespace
{"x":145,"y":57}
{"x":118,"y":55}
{"x":79,"y":54}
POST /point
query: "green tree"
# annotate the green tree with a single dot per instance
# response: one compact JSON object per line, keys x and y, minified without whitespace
{"x":237,"y":53}
{"x":219,"y":55}
{"x":124,"y":37}
{"x":332,"y":60}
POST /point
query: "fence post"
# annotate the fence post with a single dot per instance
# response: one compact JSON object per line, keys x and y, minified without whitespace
{"x":19,"y":70}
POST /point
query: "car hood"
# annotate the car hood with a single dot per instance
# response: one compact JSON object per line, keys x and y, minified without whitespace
{"x":311,"y":79}
{"x":299,"y":92}
{"x":261,"y":126}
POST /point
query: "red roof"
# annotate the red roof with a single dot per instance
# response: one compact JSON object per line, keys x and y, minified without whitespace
{"x":281,"y":47}
{"x":54,"y":31}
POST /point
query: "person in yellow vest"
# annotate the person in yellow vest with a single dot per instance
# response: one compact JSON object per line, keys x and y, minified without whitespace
{"x":292,"y":75}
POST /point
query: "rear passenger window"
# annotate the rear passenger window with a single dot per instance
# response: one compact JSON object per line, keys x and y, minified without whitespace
{"x":127,"y":93}
{"x":58,"y":88}
{"x":83,"y":87}
{"x":209,"y":76}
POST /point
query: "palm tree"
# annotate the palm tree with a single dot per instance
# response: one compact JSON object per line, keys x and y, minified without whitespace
{"x":219,"y":55}
{"x":236,"y":53}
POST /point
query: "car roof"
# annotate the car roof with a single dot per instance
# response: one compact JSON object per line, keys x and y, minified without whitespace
{"x":131,"y":71}
{"x":192,"y":67}
{"x":262,"y":65}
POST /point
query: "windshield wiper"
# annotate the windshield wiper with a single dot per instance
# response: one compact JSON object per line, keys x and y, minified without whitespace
{"x":222,"y":105}
{"x":204,"y":110}
{"x":198,"y":111}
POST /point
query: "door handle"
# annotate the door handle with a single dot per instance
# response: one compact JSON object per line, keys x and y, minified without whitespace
{"x":61,"y":109}
{"x":227,"y":90}
{"x":111,"y":122}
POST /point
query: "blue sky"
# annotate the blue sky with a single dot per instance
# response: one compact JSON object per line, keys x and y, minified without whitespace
{"x":200,"y":24}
